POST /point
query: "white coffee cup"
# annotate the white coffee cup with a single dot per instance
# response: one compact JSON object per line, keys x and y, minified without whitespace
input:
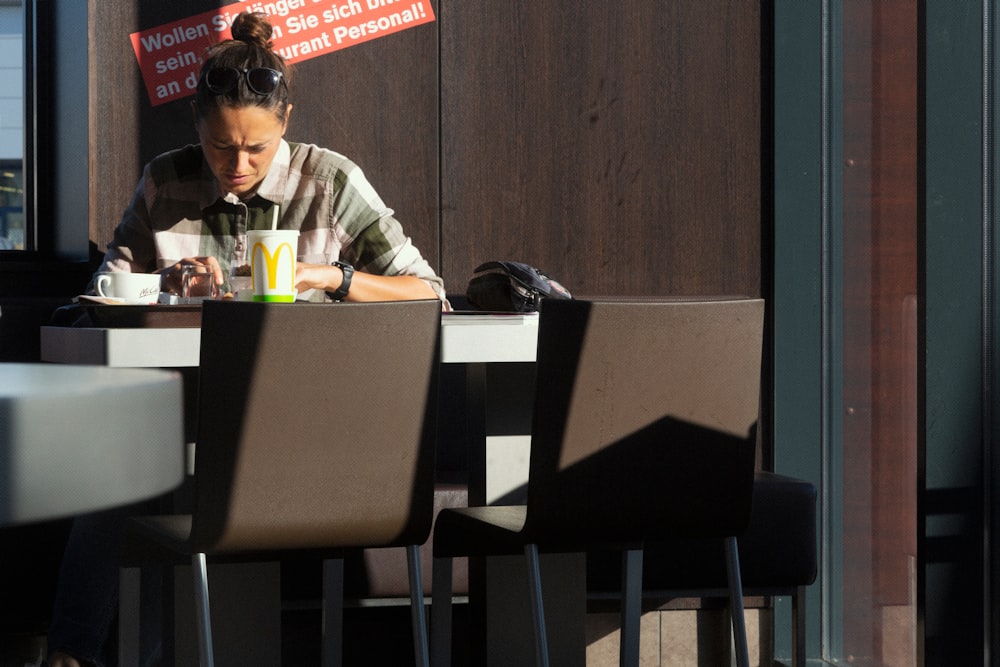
{"x":132,"y":288}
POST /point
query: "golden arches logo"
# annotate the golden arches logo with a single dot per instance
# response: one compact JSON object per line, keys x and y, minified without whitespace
{"x":271,"y":262}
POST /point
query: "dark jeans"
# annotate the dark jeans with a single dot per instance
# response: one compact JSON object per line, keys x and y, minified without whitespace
{"x":86,"y":604}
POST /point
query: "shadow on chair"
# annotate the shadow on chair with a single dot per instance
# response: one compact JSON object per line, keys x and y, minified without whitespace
{"x":644,"y":427}
{"x":316,"y":433}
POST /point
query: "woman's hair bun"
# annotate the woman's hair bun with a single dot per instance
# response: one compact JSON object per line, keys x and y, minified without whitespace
{"x":253,"y":28}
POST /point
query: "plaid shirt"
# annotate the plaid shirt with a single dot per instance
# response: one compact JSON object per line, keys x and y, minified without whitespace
{"x":177,"y":212}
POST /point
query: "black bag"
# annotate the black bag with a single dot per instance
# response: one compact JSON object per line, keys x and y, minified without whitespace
{"x":511,"y":287}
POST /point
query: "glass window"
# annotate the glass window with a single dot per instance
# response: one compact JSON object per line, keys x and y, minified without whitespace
{"x":12,"y":236}
{"x":878,"y":335}
{"x":12,"y":227}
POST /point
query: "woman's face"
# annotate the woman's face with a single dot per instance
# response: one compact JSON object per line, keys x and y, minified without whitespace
{"x":239,"y":145}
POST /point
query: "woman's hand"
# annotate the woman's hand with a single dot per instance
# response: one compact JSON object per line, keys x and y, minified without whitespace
{"x":171,"y":275}
{"x":316,"y":276}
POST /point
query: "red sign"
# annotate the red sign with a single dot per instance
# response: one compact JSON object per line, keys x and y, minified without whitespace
{"x":170,"y":55}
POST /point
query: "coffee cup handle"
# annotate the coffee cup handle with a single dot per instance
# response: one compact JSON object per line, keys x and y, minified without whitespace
{"x":99,"y":285}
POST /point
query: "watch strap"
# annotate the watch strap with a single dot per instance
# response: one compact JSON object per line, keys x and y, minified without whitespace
{"x":345,"y":284}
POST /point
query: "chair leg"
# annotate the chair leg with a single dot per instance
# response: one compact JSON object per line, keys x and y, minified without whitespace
{"x":199,"y":571}
{"x":417,"y":614}
{"x":537,"y":608}
{"x":631,"y":611}
{"x":799,"y":627}
{"x":129,"y":604}
{"x":736,"y":602}
{"x":332,"y":653}
{"x":441,"y":612}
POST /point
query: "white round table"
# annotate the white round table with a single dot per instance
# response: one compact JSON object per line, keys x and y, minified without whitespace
{"x":75,"y":439}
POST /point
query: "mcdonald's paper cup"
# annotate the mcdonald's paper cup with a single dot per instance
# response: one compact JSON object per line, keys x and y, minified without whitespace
{"x":272,"y":263}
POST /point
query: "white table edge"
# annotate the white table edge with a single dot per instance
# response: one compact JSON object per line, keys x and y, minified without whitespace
{"x":464,"y":339}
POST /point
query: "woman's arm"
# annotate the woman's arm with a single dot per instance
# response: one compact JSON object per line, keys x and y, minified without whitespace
{"x":364,"y":286}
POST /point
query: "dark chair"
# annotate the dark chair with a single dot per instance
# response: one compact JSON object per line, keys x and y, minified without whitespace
{"x":644,"y":427}
{"x":777,"y":557}
{"x":316,"y":433}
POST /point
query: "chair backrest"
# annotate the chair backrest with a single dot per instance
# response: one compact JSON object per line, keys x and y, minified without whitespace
{"x":317,"y":425}
{"x":645,"y":419}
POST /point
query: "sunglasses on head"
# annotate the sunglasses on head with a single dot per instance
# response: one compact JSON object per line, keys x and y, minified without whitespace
{"x":261,"y":80}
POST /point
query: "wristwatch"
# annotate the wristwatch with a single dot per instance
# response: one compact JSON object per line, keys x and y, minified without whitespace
{"x":345,"y":284}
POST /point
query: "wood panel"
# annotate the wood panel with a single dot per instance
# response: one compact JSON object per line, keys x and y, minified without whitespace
{"x":615,"y":145}
{"x":376,"y":103}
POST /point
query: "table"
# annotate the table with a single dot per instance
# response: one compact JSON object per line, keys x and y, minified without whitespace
{"x":473,"y":339}
{"x":466,"y":338}
{"x":74,"y":439}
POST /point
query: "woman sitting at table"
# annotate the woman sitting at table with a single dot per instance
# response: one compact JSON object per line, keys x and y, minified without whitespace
{"x":193,"y":206}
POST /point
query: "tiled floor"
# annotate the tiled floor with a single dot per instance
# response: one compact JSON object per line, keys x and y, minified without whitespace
{"x":381,"y":636}
{"x":676,"y":638}
{"x":376,"y":636}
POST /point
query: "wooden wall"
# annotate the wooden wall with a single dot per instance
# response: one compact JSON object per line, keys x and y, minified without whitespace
{"x":615,"y":145}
